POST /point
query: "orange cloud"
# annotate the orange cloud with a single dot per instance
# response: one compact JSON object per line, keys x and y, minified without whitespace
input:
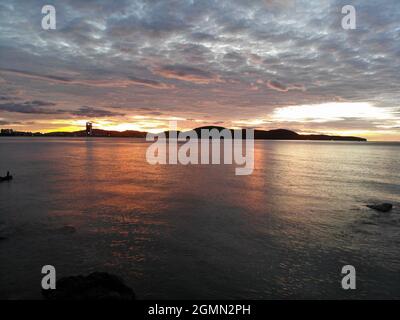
{"x":186,"y":73}
{"x":102,"y":83}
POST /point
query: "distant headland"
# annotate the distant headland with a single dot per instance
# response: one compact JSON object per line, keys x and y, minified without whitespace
{"x":277,"y":134}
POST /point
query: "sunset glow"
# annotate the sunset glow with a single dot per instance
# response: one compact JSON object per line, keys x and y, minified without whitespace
{"x":255,"y":68}
{"x":199,"y":158}
{"x":326,"y":112}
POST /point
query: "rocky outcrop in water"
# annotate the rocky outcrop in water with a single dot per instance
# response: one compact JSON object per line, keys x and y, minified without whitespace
{"x":382,"y":207}
{"x":95,"y":286}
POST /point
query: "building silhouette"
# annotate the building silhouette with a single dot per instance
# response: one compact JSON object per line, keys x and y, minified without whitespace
{"x":89,"y":128}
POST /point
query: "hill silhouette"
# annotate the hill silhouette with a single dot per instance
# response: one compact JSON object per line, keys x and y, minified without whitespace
{"x":285,"y":134}
{"x":276,"y":134}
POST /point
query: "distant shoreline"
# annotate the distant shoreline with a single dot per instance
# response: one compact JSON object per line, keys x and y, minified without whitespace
{"x":369,"y":141}
{"x":276,"y":134}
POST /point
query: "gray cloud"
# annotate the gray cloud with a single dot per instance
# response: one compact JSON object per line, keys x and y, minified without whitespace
{"x":36,"y":107}
{"x":106,"y":83}
{"x":28,"y":107}
{"x":275,"y":85}
{"x":228,"y":59}
{"x":94,"y":113}
{"x":4,"y":123}
{"x":5,"y":98}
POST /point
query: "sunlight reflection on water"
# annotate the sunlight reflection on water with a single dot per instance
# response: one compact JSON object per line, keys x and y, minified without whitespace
{"x":201,"y":231}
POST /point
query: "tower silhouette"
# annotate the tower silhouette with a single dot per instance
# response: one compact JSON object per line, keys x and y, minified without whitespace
{"x":89,"y":128}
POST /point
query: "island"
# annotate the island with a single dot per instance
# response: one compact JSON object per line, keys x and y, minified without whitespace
{"x":276,"y":134}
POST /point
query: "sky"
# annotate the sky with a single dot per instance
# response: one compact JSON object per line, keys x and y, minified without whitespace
{"x":266,"y":64}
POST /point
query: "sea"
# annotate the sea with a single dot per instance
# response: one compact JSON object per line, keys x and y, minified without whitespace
{"x":199,"y":231}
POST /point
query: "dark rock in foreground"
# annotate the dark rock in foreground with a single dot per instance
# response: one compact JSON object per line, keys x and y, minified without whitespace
{"x":382,"y":207}
{"x":95,"y":286}
{"x":3,"y":238}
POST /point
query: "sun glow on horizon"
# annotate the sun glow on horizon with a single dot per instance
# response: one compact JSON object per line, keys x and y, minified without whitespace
{"x":332,"y":111}
{"x":330,"y":115}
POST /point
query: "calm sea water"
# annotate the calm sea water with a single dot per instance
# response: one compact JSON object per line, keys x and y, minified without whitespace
{"x":200,"y":231}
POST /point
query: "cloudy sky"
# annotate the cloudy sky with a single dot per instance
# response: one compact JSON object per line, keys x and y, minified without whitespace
{"x":251,"y":63}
